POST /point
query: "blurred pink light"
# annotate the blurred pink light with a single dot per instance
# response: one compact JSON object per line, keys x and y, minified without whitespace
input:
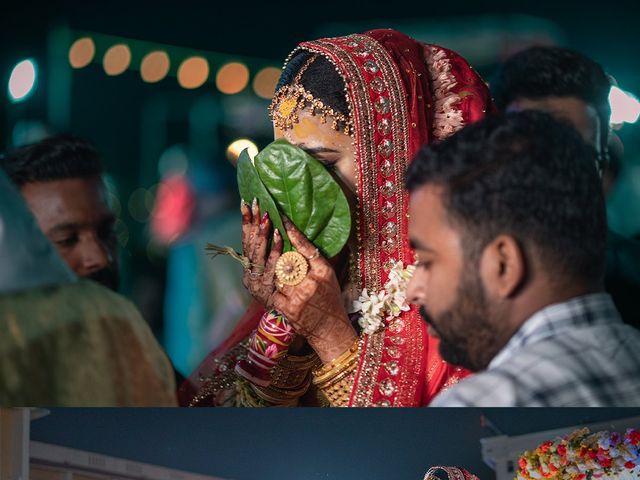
{"x":173,"y":210}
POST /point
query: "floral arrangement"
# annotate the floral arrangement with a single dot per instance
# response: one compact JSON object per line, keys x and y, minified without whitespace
{"x":389,"y":303}
{"x":582,"y":456}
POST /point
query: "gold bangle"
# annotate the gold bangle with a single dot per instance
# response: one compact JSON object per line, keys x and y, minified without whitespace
{"x":299,"y":362}
{"x":339,"y":393}
{"x":335,"y":379}
{"x":292,"y":371}
{"x":332,"y":375}
{"x":345,"y":362}
{"x":280,"y":396}
{"x":339,"y":362}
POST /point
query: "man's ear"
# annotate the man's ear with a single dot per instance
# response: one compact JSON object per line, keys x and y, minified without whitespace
{"x":503,"y":266}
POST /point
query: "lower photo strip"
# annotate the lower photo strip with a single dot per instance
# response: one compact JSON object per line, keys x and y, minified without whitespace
{"x":412,"y":444}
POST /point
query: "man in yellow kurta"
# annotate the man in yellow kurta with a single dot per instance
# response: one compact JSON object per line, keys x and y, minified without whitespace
{"x":66,"y":341}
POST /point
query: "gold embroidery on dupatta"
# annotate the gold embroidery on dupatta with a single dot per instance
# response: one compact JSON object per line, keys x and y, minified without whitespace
{"x":377,"y":98}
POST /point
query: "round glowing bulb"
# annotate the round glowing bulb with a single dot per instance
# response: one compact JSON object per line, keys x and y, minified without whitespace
{"x":82,"y":52}
{"x":232,"y":78}
{"x":624,"y":106}
{"x":117,"y":59}
{"x":236,"y":147}
{"x":193,"y":72}
{"x":155,"y":66}
{"x":264,"y":83}
{"x":22,"y":81}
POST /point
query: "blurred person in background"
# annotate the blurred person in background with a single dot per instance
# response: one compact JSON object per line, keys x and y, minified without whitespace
{"x":60,"y":178}
{"x":574,"y":88}
{"x":67,"y":341}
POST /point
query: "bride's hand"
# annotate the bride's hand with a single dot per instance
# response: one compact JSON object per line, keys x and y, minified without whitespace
{"x":314,"y":307}
{"x":259,"y":277}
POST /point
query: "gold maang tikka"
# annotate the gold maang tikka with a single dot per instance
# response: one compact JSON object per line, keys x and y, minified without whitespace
{"x":289,"y":99}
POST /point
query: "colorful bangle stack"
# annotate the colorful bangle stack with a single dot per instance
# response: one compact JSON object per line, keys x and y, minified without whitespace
{"x":268,"y":344}
{"x":335,"y":379}
{"x":290,"y":380}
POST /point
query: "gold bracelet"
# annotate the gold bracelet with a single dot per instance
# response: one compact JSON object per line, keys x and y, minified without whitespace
{"x":344,"y":362}
{"x":292,"y":371}
{"x":335,"y":379}
{"x":339,"y":393}
{"x":282,"y":396}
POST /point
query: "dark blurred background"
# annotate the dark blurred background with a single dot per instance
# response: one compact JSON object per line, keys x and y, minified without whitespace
{"x":164,"y":90}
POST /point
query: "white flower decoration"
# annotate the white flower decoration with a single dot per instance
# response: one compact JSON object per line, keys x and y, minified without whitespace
{"x":389,"y":303}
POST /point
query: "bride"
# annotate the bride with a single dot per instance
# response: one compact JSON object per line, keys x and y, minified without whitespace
{"x":363,"y":105}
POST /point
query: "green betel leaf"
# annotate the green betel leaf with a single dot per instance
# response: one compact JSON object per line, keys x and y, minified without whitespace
{"x":306,"y":192}
{"x":251,"y":187}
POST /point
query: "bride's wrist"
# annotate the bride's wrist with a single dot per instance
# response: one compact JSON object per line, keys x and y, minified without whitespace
{"x":334,"y":342}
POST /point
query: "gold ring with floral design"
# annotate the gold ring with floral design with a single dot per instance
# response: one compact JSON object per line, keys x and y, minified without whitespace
{"x":291,"y":268}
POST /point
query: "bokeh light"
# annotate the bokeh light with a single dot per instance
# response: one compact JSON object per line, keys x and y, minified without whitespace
{"x":155,"y":66}
{"x":625,"y":108}
{"x":174,"y":160}
{"x":236,"y":147}
{"x":232,"y":78}
{"x":174,"y":208}
{"x":82,"y":52}
{"x":138,"y":205}
{"x":117,"y":59}
{"x":22,"y":81}
{"x":265,"y":81}
{"x":193,"y":72}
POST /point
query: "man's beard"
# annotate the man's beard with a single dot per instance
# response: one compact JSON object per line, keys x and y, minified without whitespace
{"x":107,"y":277}
{"x":466,"y":334}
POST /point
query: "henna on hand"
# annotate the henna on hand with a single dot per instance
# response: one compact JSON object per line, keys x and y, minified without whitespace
{"x":258,"y":278}
{"x":314,"y":307}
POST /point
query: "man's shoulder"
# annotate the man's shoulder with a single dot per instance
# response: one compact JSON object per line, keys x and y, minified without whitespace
{"x":494,"y":388}
{"x":566,"y":372}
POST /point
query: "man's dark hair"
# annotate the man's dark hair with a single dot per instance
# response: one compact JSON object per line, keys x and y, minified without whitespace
{"x":527,"y":175}
{"x":540,"y":72}
{"x":54,"y":158}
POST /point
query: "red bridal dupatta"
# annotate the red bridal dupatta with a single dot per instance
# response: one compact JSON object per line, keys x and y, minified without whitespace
{"x":402,"y":94}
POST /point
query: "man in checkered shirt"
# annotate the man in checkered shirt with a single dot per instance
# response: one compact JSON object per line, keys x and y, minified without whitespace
{"x":508,"y":222}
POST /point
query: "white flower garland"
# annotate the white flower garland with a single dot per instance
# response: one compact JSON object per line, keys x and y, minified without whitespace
{"x":389,"y":303}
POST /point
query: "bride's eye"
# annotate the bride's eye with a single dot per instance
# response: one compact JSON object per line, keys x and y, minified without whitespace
{"x":329,"y":164}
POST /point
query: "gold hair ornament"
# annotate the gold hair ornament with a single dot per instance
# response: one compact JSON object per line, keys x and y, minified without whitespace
{"x":289,"y":99}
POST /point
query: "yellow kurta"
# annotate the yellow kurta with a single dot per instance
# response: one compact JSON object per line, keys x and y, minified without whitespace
{"x":79,"y":344}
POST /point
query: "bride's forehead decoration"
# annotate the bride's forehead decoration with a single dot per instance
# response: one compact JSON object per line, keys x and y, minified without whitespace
{"x":290,"y":99}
